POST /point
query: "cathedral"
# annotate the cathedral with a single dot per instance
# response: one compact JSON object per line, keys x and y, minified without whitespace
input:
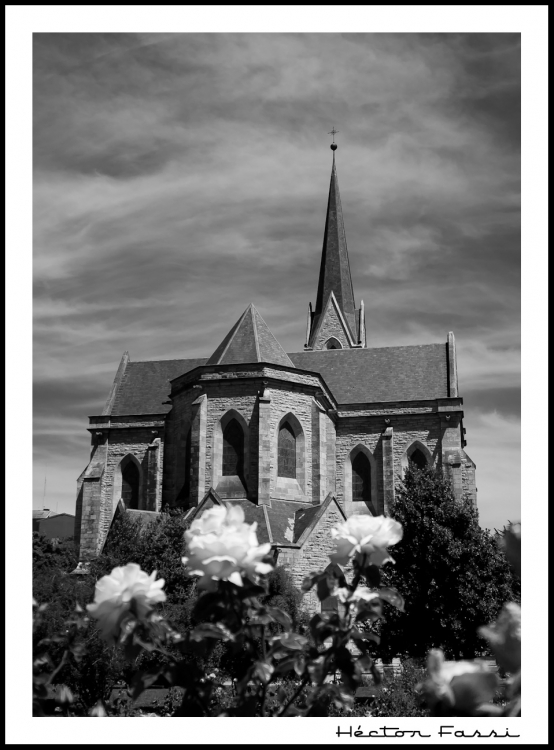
{"x":300,"y":440}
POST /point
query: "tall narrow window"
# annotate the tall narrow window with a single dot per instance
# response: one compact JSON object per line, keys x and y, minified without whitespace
{"x":418,"y":459}
{"x":286,"y":465}
{"x":186,"y":485}
{"x":233,"y":450}
{"x":361,"y":478}
{"x":130,"y":486}
{"x":184,"y":493}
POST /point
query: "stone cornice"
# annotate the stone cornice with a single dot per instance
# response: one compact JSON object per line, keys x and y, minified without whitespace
{"x":270,"y":375}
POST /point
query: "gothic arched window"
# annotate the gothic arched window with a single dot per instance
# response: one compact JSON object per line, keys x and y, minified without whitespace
{"x":418,"y":459}
{"x":233,"y":450}
{"x":361,"y":478}
{"x":333,"y":343}
{"x":286,"y":464}
{"x":130,"y":480}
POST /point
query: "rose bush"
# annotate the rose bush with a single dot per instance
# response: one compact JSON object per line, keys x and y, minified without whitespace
{"x":284,"y":673}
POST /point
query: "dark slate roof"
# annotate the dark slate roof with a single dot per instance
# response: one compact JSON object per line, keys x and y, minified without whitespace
{"x":250,"y":340}
{"x":393,"y":373}
{"x":145,"y":385}
{"x":282,"y":523}
{"x":303,"y":518}
{"x":282,"y":520}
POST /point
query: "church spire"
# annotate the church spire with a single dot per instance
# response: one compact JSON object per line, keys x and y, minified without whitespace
{"x":335,"y":280}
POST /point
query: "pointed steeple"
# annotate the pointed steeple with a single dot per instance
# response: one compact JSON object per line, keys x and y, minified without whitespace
{"x":250,"y":340}
{"x":335,"y":280}
{"x":334,"y":273}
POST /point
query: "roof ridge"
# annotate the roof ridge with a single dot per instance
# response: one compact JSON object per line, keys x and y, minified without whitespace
{"x":180,"y":359}
{"x":255,"y":328}
{"x":365,"y":349}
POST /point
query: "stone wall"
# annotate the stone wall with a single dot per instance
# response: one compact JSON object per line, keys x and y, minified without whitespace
{"x":240,"y":396}
{"x":135,"y":441}
{"x":285,"y":401}
{"x":314,"y":554}
{"x":331,"y":326}
{"x":257,"y":405}
{"x":368,"y":431}
{"x":469,"y":490}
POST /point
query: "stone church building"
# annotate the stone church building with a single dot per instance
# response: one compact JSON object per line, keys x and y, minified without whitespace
{"x":300,"y":440}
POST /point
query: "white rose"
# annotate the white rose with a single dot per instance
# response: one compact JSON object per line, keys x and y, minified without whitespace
{"x":114,"y":594}
{"x":365,"y":535}
{"x":221,"y":546}
{"x":457,"y":685}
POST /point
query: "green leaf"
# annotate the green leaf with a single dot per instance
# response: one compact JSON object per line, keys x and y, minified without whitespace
{"x":209,"y":630}
{"x":392,"y":597}
{"x":262,"y":671}
{"x":293,"y":641}
{"x":281,"y":617}
{"x":321,"y":628}
{"x":143,"y":680}
{"x":285,"y":666}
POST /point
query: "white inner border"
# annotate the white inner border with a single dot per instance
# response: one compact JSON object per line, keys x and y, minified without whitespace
{"x":22,"y":21}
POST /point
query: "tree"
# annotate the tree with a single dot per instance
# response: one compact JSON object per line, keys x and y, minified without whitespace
{"x":452,"y":573}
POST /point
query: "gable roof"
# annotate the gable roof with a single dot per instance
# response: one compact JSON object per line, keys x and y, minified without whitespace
{"x":145,"y":386}
{"x":250,"y":340}
{"x":393,"y":373}
{"x":387,"y":374}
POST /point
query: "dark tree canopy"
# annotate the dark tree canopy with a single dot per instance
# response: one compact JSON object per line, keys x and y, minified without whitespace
{"x":453,"y":573}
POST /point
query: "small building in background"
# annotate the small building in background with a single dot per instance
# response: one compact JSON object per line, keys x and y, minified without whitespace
{"x":53,"y":525}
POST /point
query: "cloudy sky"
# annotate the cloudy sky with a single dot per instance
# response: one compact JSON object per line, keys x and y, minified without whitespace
{"x":178,"y":177}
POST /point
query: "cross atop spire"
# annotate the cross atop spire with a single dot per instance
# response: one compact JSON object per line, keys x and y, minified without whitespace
{"x":335,"y":281}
